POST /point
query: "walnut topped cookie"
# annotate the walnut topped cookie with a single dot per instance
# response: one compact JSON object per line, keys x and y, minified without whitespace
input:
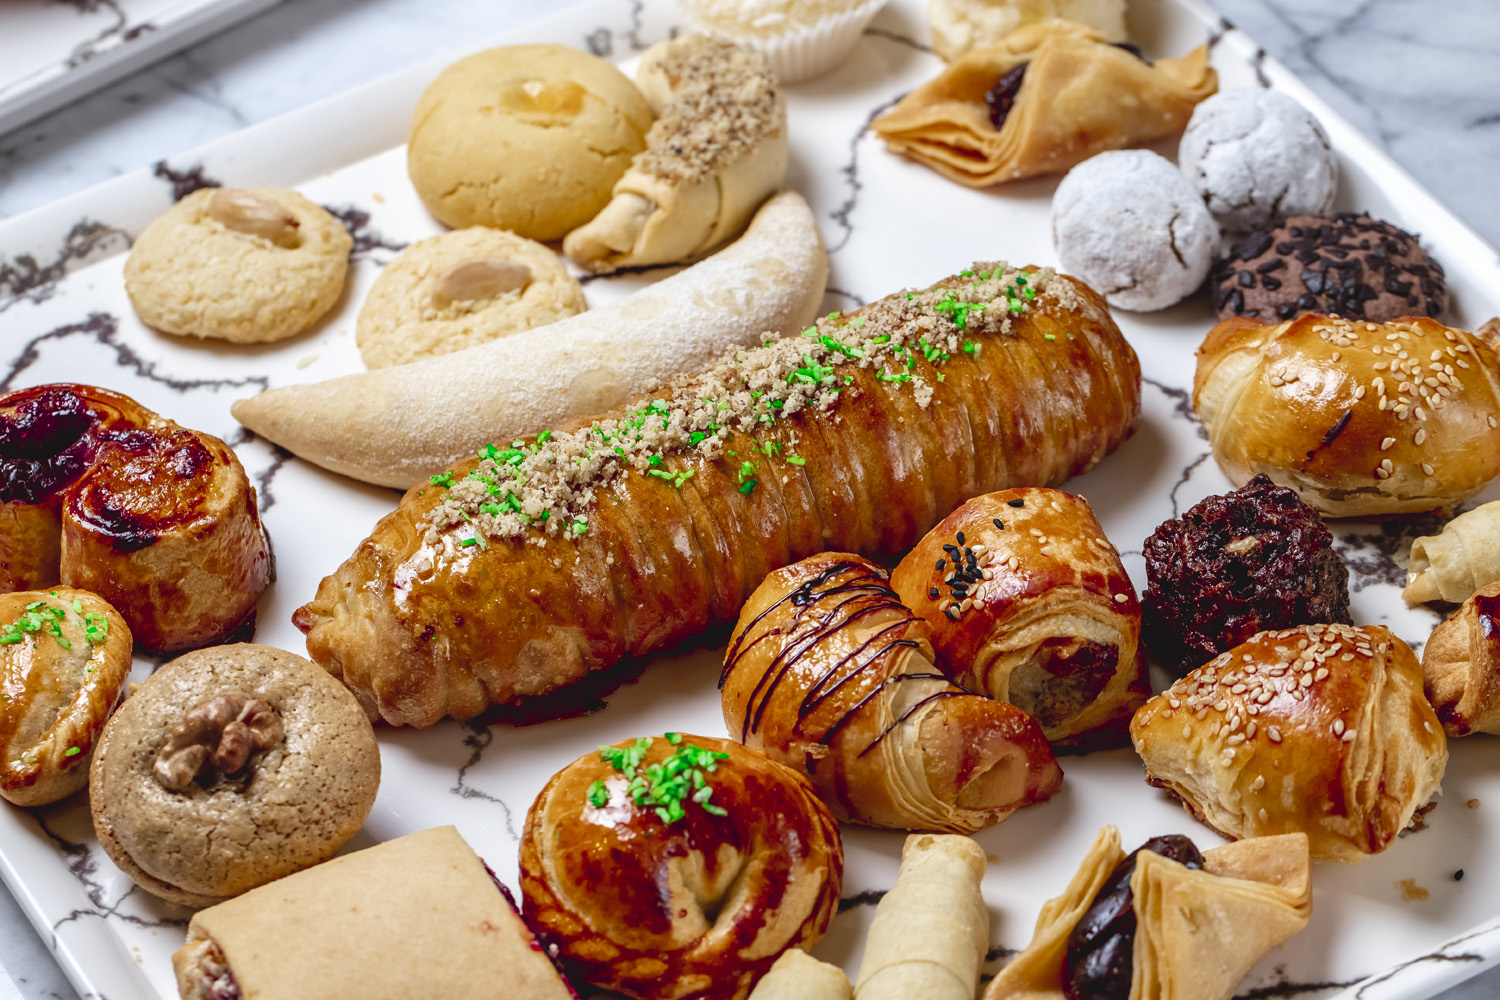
{"x":246,"y":265}
{"x":230,"y":767}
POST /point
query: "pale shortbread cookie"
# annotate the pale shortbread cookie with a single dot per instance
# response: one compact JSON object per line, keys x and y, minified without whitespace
{"x":529,"y":138}
{"x":246,"y":265}
{"x":961,"y":25}
{"x":461,"y":289}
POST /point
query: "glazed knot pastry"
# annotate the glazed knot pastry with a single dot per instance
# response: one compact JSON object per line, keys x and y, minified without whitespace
{"x":64,"y":658}
{"x":519,"y":571}
{"x":1359,"y":418}
{"x":228,"y":768}
{"x":1166,"y":921}
{"x":1319,"y":729}
{"x":678,"y":866}
{"x":1455,"y":563}
{"x":1461,"y":666}
{"x":1028,"y":604}
{"x":1048,"y":97}
{"x":716,"y":151}
{"x":829,"y":673}
{"x":1234,"y":565}
{"x":97,"y":492}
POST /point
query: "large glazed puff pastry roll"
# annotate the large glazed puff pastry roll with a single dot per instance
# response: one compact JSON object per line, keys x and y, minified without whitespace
{"x":677,"y":866}
{"x":1198,"y":926}
{"x":1359,"y":418}
{"x":520,"y":571}
{"x":1461,"y":666}
{"x":408,"y":919}
{"x":829,"y":673}
{"x":1455,"y":563}
{"x":1319,"y":729}
{"x":1074,"y":95}
{"x":1029,"y":604}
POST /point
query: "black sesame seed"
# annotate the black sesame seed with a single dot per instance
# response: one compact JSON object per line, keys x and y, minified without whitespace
{"x":1270,"y":283}
{"x":1246,"y":279}
{"x":961,"y":538}
{"x":1458,"y":876}
{"x":1016,"y":503}
{"x":942,"y":564}
{"x":999,"y":523}
{"x":934,"y":592}
{"x":1271,"y":265}
{"x":952,"y":551}
{"x":1236,"y":302}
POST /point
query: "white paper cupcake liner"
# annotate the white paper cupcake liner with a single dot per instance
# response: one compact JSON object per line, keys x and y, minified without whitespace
{"x":804,"y":53}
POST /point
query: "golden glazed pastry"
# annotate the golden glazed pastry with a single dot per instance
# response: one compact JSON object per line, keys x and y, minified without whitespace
{"x":687,"y":883}
{"x":1072,"y":94}
{"x":1029,"y":604}
{"x":64,"y":658}
{"x":829,"y":673}
{"x":1198,"y":928}
{"x":716,"y":151}
{"x":1359,"y":418}
{"x":1319,"y":729}
{"x":1458,"y":561}
{"x":99,"y":493}
{"x":410,"y":919}
{"x":559,"y":556}
{"x":1461,"y":666}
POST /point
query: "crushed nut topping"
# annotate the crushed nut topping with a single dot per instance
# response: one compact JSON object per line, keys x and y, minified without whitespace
{"x":216,"y":739}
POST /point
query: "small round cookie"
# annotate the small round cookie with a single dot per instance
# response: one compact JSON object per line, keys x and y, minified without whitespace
{"x":246,"y":265}
{"x":1257,"y":156}
{"x":1347,"y":264}
{"x":1131,"y":226}
{"x":529,"y":138}
{"x":460,"y":289}
{"x":228,"y":768}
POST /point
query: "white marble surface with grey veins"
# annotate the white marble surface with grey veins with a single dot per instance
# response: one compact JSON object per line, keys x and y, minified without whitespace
{"x":1422,"y":79}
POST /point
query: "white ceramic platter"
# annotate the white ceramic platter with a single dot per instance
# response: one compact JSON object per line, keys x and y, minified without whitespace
{"x":888,"y":224}
{"x":55,"y":51}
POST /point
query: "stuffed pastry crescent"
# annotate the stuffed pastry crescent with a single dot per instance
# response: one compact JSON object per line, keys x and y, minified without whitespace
{"x":1455,"y":563}
{"x":1461,"y":666}
{"x":1043,"y":100}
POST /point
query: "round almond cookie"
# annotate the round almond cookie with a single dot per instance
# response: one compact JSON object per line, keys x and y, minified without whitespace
{"x":228,"y":768}
{"x":246,"y":265}
{"x":529,"y":138}
{"x":461,"y":289}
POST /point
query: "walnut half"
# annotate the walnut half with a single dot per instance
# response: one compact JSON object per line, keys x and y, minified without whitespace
{"x":216,"y":739}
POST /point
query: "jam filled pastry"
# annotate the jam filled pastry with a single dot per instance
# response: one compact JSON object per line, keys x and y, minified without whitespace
{"x":97,"y":492}
{"x":1319,"y":729}
{"x":1461,"y":666}
{"x":830,"y":674}
{"x":1029,"y":604}
{"x":1166,"y":922}
{"x":678,"y":866}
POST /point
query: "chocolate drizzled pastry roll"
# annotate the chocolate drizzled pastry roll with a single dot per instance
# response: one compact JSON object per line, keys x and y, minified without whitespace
{"x":828,"y":672}
{"x":521,"y":570}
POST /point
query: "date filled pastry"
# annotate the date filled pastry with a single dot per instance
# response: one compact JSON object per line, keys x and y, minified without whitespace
{"x":1165,"y":922}
{"x":1359,"y":418}
{"x":98,"y":492}
{"x":716,"y":151}
{"x":678,"y":866}
{"x":1461,"y":666}
{"x":519,"y":571}
{"x":1318,"y":729}
{"x":1046,"y":98}
{"x":828,"y":672}
{"x":1029,"y":604}
{"x":1457,"y":562}
{"x":412,"y":918}
{"x":64,"y":658}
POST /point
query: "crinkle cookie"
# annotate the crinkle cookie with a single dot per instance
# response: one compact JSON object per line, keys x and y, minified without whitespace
{"x":1257,"y":156}
{"x":246,"y":265}
{"x":460,"y":289}
{"x":228,"y":768}
{"x":1131,"y":226}
{"x":529,"y":138}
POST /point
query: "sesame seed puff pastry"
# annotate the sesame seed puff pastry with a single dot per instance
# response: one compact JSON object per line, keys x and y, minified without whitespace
{"x":829,"y":673}
{"x":1359,"y":418}
{"x":1319,"y":729}
{"x":521,"y":570}
{"x":716,"y":151}
{"x":1029,"y":604}
{"x":1461,"y":666}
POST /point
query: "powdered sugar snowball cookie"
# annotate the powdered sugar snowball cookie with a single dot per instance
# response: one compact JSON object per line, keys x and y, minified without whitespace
{"x":246,"y":265}
{"x":801,"y":39}
{"x":1131,"y":226}
{"x":1257,"y":157}
{"x":961,"y":25}
{"x":462,"y":289}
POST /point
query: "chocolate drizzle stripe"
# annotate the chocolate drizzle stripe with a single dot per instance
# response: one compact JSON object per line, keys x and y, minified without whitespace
{"x":935,"y":696}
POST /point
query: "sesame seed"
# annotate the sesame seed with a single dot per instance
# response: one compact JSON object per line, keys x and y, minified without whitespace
{"x":1260,"y":782}
{"x":1263,"y":816}
{"x":1274,"y":734}
{"x":1121,"y":598}
{"x":1349,"y":736}
{"x":1338,"y":727}
{"x":1187,"y":730}
{"x":1427,"y":470}
{"x":1386,"y":444}
{"x":1359,"y":392}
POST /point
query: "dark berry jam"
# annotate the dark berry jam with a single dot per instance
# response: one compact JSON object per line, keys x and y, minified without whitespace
{"x":1002,"y":96}
{"x":46,"y":442}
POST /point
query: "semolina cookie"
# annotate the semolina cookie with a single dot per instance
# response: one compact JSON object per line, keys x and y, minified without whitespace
{"x":530,"y":138}
{"x":461,"y":289}
{"x":246,"y":265}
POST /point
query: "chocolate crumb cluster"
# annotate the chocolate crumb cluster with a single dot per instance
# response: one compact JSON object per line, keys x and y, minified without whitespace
{"x":1234,"y":565}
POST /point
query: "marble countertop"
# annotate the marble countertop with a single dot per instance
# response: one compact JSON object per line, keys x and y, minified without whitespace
{"x":1425,"y":87}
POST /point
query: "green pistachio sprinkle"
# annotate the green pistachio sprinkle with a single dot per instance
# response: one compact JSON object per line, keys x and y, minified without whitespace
{"x":40,"y":617}
{"x":72,"y":752}
{"x":663,"y":787}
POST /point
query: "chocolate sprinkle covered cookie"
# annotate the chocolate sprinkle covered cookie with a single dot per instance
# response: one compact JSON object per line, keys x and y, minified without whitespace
{"x":1347,"y":264}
